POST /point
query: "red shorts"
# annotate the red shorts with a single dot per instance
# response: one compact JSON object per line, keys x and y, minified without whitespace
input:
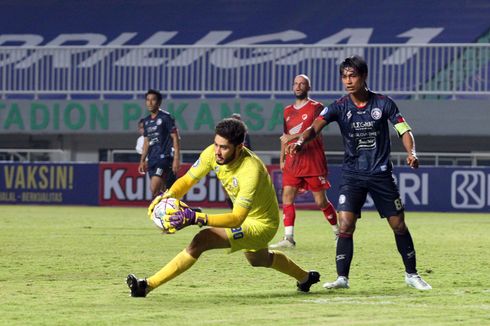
{"x":315,"y":183}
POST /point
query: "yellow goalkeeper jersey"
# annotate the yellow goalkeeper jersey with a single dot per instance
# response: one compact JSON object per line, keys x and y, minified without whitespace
{"x":247,"y":182}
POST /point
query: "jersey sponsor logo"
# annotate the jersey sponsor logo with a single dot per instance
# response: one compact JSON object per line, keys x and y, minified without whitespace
{"x":295,"y":129}
{"x":469,"y":189}
{"x":366,"y":144}
{"x":358,"y":125}
{"x":349,"y":115}
{"x":376,"y":113}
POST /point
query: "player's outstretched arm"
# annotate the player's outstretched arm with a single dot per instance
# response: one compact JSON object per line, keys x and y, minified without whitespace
{"x":307,"y":135}
{"x":187,"y":216}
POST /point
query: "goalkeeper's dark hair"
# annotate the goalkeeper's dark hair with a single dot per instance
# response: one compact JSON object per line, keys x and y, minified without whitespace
{"x":232,"y":130}
{"x":155,"y":92}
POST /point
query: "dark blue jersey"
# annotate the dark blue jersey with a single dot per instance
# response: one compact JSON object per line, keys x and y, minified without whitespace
{"x":365,"y":132}
{"x":158,"y":130}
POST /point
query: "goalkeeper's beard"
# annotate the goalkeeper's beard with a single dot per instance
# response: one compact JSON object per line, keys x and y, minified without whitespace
{"x":229,"y":159}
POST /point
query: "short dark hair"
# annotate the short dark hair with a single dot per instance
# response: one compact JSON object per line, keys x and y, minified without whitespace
{"x":155,"y":92}
{"x":355,"y":62}
{"x":232,"y":130}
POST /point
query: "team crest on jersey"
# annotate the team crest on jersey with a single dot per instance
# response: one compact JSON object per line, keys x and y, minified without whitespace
{"x":216,"y":168}
{"x":234,"y":182}
{"x":376,"y":113}
{"x":304,"y":116}
{"x":196,"y":163}
{"x":159,"y":121}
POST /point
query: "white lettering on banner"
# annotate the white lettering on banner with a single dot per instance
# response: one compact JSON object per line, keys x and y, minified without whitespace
{"x":111,"y":183}
{"x":468,"y":189}
{"x":134,"y":187}
{"x":414,"y":187}
{"x":228,"y":58}
{"x":60,"y":59}
{"x":221,"y":57}
{"x":134,"y":194}
{"x":411,"y":184}
{"x":417,"y":36}
{"x":207,"y":189}
{"x":352,"y":35}
{"x":198,"y":192}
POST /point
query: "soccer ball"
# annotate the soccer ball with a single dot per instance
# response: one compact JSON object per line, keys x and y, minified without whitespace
{"x":167,"y":206}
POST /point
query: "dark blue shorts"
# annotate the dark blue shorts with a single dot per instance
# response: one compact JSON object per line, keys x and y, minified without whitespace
{"x":163,"y":169}
{"x":383,"y":191}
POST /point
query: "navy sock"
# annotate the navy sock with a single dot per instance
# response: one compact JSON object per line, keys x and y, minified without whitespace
{"x":404,"y":243}
{"x":345,"y":251}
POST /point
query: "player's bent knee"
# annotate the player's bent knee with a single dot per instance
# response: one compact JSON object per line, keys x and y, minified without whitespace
{"x":198,"y":245}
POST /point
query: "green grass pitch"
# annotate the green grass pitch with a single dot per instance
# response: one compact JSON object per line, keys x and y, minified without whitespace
{"x":67,"y":266}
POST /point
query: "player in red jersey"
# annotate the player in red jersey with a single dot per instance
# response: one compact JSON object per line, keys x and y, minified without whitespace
{"x":306,"y":170}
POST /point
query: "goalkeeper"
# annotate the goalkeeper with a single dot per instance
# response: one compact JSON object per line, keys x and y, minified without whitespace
{"x":249,"y":227}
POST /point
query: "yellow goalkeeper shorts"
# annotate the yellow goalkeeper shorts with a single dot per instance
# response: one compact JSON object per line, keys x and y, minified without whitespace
{"x":252,"y":236}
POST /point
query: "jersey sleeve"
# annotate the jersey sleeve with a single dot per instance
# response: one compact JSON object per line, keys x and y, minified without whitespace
{"x":329,"y":113}
{"x":173,"y":127}
{"x":396,"y":119}
{"x":203,"y":165}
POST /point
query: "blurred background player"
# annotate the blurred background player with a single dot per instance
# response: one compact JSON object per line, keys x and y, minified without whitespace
{"x":307,"y":169}
{"x":161,"y":145}
{"x":141,"y":139}
{"x":363,"y":118}
{"x":249,"y":227}
{"x":247,"y":143}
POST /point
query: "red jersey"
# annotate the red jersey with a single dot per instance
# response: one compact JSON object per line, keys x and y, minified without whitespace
{"x":310,"y":161}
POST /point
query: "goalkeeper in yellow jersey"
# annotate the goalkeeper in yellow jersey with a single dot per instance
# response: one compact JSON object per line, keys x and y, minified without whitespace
{"x":249,"y":227}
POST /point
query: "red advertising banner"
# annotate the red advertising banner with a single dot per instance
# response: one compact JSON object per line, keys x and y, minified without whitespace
{"x":122,"y":185}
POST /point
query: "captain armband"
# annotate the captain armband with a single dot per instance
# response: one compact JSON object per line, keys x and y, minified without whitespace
{"x":402,"y":128}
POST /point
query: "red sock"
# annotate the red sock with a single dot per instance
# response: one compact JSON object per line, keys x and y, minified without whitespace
{"x":330,"y":214}
{"x":289,"y":214}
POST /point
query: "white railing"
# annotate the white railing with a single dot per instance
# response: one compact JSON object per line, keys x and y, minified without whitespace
{"x":267,"y":70}
{"x":336,"y":157}
{"x":32,"y":155}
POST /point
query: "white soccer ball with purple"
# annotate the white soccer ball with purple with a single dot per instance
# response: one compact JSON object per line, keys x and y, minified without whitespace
{"x":167,"y":206}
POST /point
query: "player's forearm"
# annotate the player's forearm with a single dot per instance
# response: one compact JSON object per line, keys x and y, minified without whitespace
{"x":283,"y":153}
{"x":144,"y":151}
{"x":228,"y":220}
{"x":181,"y":186}
{"x":176,"y":145}
{"x":409,"y":143}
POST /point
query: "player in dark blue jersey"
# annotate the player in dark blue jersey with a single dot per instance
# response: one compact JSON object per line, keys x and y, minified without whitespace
{"x":161,"y":149}
{"x":363,"y":118}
